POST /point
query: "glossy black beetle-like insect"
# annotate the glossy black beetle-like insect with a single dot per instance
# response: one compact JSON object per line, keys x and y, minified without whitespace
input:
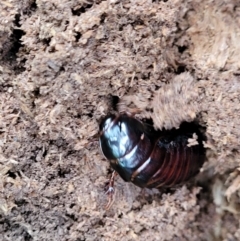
{"x":148,"y":158}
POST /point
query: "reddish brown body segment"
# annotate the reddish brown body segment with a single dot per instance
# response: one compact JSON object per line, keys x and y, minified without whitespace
{"x":149,"y":158}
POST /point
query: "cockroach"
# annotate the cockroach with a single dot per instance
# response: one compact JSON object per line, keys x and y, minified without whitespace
{"x":146,"y":157}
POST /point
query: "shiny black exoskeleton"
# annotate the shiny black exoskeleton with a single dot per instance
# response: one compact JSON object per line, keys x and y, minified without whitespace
{"x":148,"y":158}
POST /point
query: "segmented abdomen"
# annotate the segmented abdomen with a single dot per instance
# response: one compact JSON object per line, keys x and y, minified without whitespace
{"x":171,"y":162}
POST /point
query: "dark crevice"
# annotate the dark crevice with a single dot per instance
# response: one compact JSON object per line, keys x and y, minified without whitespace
{"x":72,"y":216}
{"x":27,"y":236}
{"x":11,"y":48}
{"x":62,"y":172}
{"x":71,"y":152}
{"x":101,"y":223}
{"x":36,"y":92}
{"x":16,"y":44}
{"x":148,"y":122}
{"x":169,"y":69}
{"x":72,"y":205}
{"x":11,"y":174}
{"x":33,"y":158}
{"x":17,"y":20}
{"x":78,"y":35}
{"x":114,"y":102}
{"x":90,"y":115}
{"x":33,"y":6}
{"x":181,"y":49}
{"x":30,"y":9}
{"x":156,"y":88}
{"x":46,"y":41}
{"x":180,"y":69}
{"x":21,"y":202}
{"x":83,"y":9}
{"x":120,"y":28}
{"x":51,"y":177}
{"x":61,"y":69}
{"x":20,"y":67}
{"x":150,"y":67}
{"x":237,"y":73}
{"x":44,"y":153}
{"x":138,"y":22}
{"x":146,"y":76}
{"x":103,"y":17}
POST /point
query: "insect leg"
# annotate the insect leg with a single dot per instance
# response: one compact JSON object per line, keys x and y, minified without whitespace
{"x":110,"y":190}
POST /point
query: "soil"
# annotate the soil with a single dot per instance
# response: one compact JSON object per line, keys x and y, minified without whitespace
{"x":64,"y":65}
